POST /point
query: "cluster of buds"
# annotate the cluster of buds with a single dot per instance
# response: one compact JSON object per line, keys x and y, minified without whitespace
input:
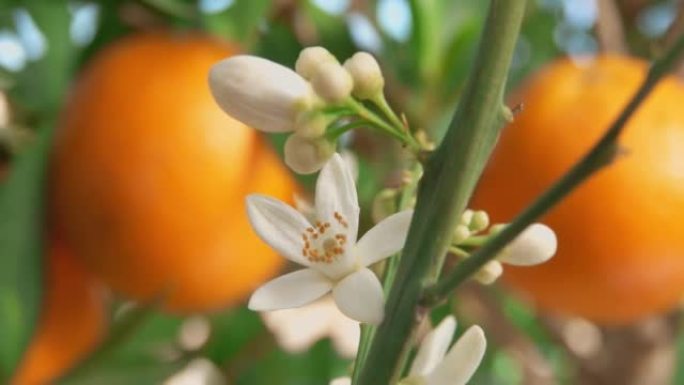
{"x":536,"y":245}
{"x":273,"y":98}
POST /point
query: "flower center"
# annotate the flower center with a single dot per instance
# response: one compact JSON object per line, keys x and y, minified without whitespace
{"x":322,"y":243}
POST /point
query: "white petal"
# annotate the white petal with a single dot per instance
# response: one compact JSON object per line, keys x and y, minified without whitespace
{"x":535,"y":245}
{"x":279,"y":225}
{"x":260,"y":93}
{"x":307,"y":155}
{"x":433,"y":348}
{"x":359,"y":296}
{"x":290,"y":290}
{"x":385,"y":238}
{"x":341,"y":381}
{"x":336,"y":193}
{"x":462,"y":360}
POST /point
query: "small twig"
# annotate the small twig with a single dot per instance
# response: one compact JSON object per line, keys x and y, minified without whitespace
{"x":609,"y":29}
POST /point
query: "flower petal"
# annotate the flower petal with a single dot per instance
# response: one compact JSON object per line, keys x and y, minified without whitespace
{"x":359,"y":296}
{"x":385,"y":238}
{"x":336,"y":193}
{"x":260,"y":93}
{"x":290,"y":290}
{"x":341,"y":381}
{"x":537,"y":244}
{"x":433,"y":348}
{"x":279,"y":225}
{"x":462,"y":360}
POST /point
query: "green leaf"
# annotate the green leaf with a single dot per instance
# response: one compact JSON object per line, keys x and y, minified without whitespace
{"x":21,"y":248}
{"x":240,"y":21}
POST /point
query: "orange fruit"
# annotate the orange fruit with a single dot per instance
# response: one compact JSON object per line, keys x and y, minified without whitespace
{"x":620,"y":239}
{"x":72,"y":321}
{"x":149,"y":176}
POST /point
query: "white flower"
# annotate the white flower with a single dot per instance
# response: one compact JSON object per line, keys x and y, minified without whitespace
{"x":433,"y":365}
{"x":296,"y":330}
{"x":199,"y":371}
{"x":262,"y":94}
{"x":537,"y":244}
{"x":332,"y":82}
{"x":368,"y":79}
{"x":311,"y":58}
{"x":335,"y":261}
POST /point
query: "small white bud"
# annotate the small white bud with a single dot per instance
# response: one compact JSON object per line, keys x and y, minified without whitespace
{"x":466,"y":217}
{"x":384,"y":204}
{"x":332,"y":82}
{"x":489,"y":273}
{"x":307,"y":155}
{"x":479,"y":221}
{"x":341,"y":381}
{"x":367,"y":76}
{"x":260,"y":93}
{"x":461,"y":233}
{"x":310,"y":59}
{"x":311,"y":124}
{"x":535,"y":245}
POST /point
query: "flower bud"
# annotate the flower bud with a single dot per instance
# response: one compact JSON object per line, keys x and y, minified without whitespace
{"x":311,"y":124}
{"x":384,"y":204}
{"x":306,"y":155}
{"x":260,"y":93}
{"x":535,"y":245}
{"x":489,"y":273}
{"x":466,"y":217}
{"x":332,"y":82}
{"x":310,"y":59}
{"x":367,"y":76}
{"x":479,"y":221}
{"x":461,"y":233}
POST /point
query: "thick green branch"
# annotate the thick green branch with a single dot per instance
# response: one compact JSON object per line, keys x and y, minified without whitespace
{"x":599,"y":156}
{"x":449,"y":179}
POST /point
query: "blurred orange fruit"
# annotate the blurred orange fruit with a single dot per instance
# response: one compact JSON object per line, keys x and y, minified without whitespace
{"x":620,"y":236}
{"x":150,"y":176}
{"x":72,"y":321}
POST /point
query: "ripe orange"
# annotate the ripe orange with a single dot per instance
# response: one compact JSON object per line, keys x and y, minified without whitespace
{"x":150,"y":175}
{"x":71,"y":323}
{"x":621,"y":238}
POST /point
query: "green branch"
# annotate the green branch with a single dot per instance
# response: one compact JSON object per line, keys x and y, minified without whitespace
{"x":449,"y":179}
{"x":602,"y":154}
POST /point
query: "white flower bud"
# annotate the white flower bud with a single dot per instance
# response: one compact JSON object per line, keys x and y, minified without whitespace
{"x":479,"y":221}
{"x":311,"y":124}
{"x":466,"y":217}
{"x":461,"y":233}
{"x":535,"y":245}
{"x":367,"y":76}
{"x":260,"y":93}
{"x":489,"y":273}
{"x":306,"y":155}
{"x":332,"y":82}
{"x":310,"y":59}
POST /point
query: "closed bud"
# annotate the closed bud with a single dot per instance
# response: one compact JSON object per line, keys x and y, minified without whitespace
{"x":310,"y":59}
{"x":535,"y":245}
{"x":307,"y":155}
{"x":311,"y":124}
{"x":384,"y":204}
{"x":489,"y":273}
{"x":260,"y":93}
{"x":332,"y":83}
{"x":479,"y":221}
{"x":461,"y":233}
{"x":367,"y":76}
{"x":466,"y":217}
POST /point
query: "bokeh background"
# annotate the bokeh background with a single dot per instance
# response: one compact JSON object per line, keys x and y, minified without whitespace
{"x":45,"y":44}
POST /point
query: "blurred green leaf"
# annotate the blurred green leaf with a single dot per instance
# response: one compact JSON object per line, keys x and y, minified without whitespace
{"x":21,"y":249}
{"x":231,"y":332}
{"x":314,"y":367}
{"x":240,"y":21}
{"x":331,"y":31}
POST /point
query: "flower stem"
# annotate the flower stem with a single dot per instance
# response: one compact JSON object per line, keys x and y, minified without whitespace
{"x":602,"y":154}
{"x":396,"y":132}
{"x":385,"y":108}
{"x":449,"y":179}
